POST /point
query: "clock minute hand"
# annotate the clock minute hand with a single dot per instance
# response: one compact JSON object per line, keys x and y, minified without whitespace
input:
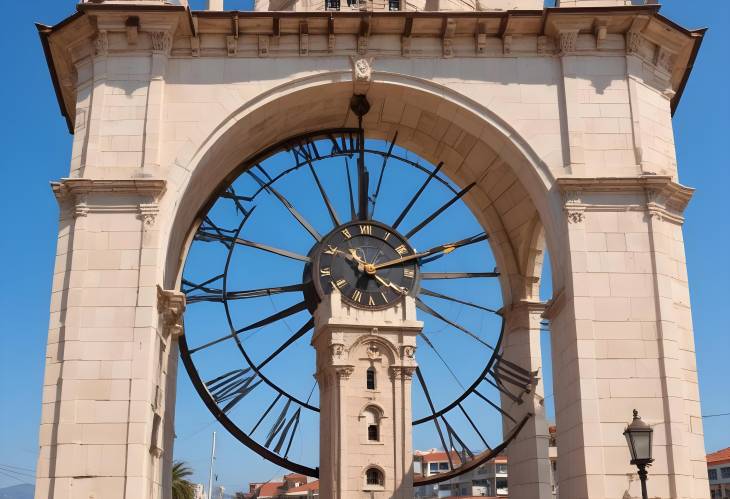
{"x":443,"y":248}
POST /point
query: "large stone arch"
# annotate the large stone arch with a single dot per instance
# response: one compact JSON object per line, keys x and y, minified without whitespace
{"x":515,"y":189}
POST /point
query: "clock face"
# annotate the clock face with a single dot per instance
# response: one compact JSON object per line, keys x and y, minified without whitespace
{"x":304,"y":218}
{"x":369,"y":263}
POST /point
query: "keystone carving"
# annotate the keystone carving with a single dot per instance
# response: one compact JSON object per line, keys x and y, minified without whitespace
{"x":362,"y":74}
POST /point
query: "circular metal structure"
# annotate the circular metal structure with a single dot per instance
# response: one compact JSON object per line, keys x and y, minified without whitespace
{"x":259,"y":261}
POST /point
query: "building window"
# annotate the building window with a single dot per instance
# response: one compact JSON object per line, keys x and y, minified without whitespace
{"x":444,"y":466}
{"x":374,"y":476}
{"x":725,"y":472}
{"x":433,"y":467}
{"x":501,"y":468}
{"x":712,"y":474}
{"x":332,"y":4}
{"x":393,"y":4}
{"x":373,"y":433}
{"x":371,"y":378}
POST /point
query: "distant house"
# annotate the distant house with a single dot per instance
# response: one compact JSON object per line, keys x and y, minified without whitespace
{"x":718,"y":472}
{"x":291,"y":485}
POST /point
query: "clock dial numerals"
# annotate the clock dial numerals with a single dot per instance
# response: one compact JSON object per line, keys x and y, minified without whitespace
{"x":348,"y":263}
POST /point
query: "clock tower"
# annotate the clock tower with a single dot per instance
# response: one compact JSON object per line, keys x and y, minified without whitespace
{"x":365,"y":363}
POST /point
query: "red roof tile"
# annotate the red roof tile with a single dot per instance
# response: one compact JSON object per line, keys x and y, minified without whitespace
{"x":306,"y":487}
{"x":719,"y":457}
{"x":270,"y":489}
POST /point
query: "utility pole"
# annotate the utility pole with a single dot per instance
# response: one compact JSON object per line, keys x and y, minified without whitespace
{"x":212,"y":463}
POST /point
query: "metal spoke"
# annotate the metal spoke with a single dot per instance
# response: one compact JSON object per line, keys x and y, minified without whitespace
{"x":263,"y":322}
{"x":440,"y":210}
{"x":433,"y":412}
{"x":302,"y":331}
{"x":330,"y":209}
{"x":263,"y":247}
{"x":432,"y":312}
{"x":353,"y":215}
{"x":217,"y":295}
{"x":416,"y":196}
{"x":456,"y":275}
{"x":287,"y":204}
{"x":382,"y":171}
{"x":428,"y":292}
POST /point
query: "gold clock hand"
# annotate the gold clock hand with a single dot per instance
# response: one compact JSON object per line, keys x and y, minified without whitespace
{"x":443,"y":248}
{"x":389,"y":284}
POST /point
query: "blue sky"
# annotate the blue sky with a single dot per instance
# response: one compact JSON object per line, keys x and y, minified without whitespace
{"x":36,"y":150}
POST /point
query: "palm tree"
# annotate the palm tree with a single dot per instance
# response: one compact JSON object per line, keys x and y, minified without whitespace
{"x":181,"y":487}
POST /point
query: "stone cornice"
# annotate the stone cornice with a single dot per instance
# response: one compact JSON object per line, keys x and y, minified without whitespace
{"x":74,"y":187}
{"x":547,"y":32}
{"x":664,"y":197}
{"x":81,"y":194}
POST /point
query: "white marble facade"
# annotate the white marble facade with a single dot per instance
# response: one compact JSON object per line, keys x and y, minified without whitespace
{"x":562,"y":117}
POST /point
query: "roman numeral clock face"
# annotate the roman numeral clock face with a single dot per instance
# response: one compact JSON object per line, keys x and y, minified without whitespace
{"x":368,"y":263}
{"x":331,"y":212}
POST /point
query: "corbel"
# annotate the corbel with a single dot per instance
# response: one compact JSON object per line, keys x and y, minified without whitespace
{"x":406,"y":37}
{"x":263,"y":45}
{"x":195,"y":46}
{"x":507,"y":44}
{"x":170,"y":306}
{"x":600,"y":31}
{"x":363,"y":35}
{"x":131,"y":25}
{"x":331,"y":34}
{"x":634,"y":38}
{"x":447,"y":36}
{"x":232,"y":40}
{"x":303,"y":38}
{"x":542,"y":44}
{"x":480,"y":39}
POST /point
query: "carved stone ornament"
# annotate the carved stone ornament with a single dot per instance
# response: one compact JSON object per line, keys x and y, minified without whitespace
{"x":362,"y":74}
{"x":337,"y":350}
{"x":148,"y":214}
{"x":568,"y":41}
{"x":409,"y":351}
{"x":170,"y":306}
{"x":402,"y":372}
{"x":101,"y":43}
{"x":161,"y":41}
{"x":664,"y":60}
{"x":634,"y":41}
{"x":373,"y":351}
{"x":574,"y":207}
{"x":344,"y":372}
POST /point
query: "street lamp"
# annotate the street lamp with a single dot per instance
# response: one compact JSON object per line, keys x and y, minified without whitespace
{"x":638,"y":435}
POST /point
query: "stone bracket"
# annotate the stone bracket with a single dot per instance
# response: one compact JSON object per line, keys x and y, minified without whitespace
{"x":171,"y":305}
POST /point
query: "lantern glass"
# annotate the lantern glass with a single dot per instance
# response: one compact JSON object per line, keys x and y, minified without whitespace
{"x":639,"y":439}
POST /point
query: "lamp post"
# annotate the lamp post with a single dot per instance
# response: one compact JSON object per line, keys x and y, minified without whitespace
{"x":638,"y":435}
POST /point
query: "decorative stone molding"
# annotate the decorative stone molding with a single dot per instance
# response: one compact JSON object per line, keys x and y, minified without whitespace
{"x":663,"y":198}
{"x":373,"y":351}
{"x":507,"y":44}
{"x":337,"y":351}
{"x":148,"y":213}
{"x":231,"y":45}
{"x":362,"y":74}
{"x":344,"y":372}
{"x":634,"y":41}
{"x":542,"y":45}
{"x":404,"y":373}
{"x":567,"y":40}
{"x":520,"y":314}
{"x":574,"y":207}
{"x":170,"y":306}
{"x":79,"y":194}
{"x":480,"y":40}
{"x":409,"y":351}
{"x":161,"y":41}
{"x":664,"y":60}
{"x":554,"y":306}
{"x":101,"y":43}
{"x":263,"y":46}
{"x":195,"y":46}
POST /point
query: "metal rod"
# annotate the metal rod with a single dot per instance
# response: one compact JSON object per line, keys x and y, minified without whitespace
{"x":642,"y":477}
{"x":212,"y":463}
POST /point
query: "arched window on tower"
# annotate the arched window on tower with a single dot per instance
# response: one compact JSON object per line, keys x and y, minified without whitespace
{"x":373,"y":476}
{"x":370,"y":382}
{"x":372,"y":423}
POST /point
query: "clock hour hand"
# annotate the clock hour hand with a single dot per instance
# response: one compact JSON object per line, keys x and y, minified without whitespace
{"x":443,"y":248}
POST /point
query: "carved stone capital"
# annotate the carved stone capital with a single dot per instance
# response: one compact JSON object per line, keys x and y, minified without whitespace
{"x":567,"y":40}
{"x":161,"y":41}
{"x":404,"y":373}
{"x":148,"y":214}
{"x":170,"y":306}
{"x":344,"y":372}
{"x":83,"y":196}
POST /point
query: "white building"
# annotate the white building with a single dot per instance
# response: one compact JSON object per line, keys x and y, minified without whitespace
{"x":718,"y":471}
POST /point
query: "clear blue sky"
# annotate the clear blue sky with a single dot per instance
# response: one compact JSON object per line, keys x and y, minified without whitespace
{"x":36,"y":149}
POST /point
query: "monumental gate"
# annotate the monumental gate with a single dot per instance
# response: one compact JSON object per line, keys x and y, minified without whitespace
{"x":550,"y":128}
